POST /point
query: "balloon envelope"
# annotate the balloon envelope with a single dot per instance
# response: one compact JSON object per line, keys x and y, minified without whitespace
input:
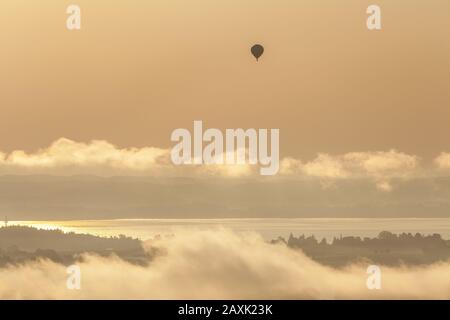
{"x":257,"y":51}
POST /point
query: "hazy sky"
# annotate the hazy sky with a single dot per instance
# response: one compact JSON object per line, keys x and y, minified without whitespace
{"x":139,"y":69}
{"x":363,"y":115}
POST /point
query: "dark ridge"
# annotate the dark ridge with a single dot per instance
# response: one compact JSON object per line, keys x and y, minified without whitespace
{"x":385,"y":249}
{"x":20,"y":244}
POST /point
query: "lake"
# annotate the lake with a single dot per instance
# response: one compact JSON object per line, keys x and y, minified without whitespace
{"x":268,"y":228}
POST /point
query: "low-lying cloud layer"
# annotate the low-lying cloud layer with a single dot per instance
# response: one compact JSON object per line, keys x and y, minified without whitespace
{"x":379,"y":166}
{"x":219,"y":264}
{"x":67,"y":157}
{"x":97,"y":153}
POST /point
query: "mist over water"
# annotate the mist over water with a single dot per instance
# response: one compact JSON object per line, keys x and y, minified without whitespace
{"x":220,"y":264}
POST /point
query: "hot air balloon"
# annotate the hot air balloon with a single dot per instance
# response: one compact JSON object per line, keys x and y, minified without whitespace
{"x":257,"y":51}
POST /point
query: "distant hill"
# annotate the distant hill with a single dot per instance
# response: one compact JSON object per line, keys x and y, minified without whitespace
{"x":43,"y":197}
{"x":30,"y":239}
{"x":20,"y":244}
{"x":387,"y":249}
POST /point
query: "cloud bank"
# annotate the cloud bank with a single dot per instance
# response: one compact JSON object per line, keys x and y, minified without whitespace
{"x":443,"y":160}
{"x":379,"y":166}
{"x":220,"y":264}
{"x":99,"y":157}
{"x":66,"y":153}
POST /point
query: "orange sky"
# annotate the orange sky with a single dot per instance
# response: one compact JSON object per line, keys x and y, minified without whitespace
{"x":137,"y":70}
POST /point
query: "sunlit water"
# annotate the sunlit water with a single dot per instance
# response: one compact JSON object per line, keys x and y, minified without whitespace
{"x":268,"y":228}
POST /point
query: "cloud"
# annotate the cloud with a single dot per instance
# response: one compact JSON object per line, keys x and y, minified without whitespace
{"x":443,"y":160}
{"x":65,"y":153}
{"x":391,"y":164}
{"x":383,"y":166}
{"x":378,"y":166}
{"x":98,"y":157}
{"x":326,"y":166}
{"x":220,"y":264}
